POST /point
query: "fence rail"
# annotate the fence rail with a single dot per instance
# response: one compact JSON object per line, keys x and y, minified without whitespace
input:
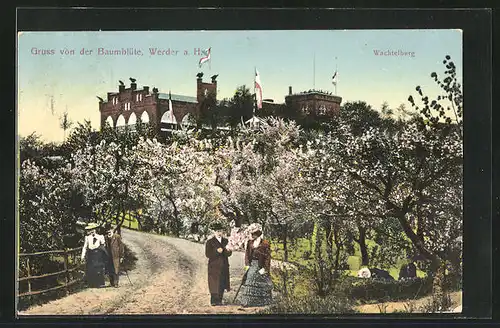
{"x":51,"y":252}
{"x":67,"y":269}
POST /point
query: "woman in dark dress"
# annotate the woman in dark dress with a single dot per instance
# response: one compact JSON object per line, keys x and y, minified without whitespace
{"x":257,"y":288}
{"x":94,"y":254}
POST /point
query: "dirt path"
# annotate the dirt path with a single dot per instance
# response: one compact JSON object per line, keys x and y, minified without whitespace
{"x":170,"y":278}
{"x":390,"y":307}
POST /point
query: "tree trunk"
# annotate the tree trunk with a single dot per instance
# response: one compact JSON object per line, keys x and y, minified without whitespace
{"x":320,"y":276}
{"x":329,"y":242}
{"x":119,"y":227}
{"x":362,"y":246}
{"x":138,"y":219}
{"x":177,"y":224}
{"x":285,"y":244}
{"x":238,"y":218}
{"x":285,"y":259}
{"x":332,"y":265}
{"x":311,"y":243}
{"x":338,"y":245}
{"x":439,"y":293}
{"x":456,"y":273}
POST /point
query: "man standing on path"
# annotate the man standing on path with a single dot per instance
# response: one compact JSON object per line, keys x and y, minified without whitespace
{"x":115,"y":249}
{"x":218,"y":264}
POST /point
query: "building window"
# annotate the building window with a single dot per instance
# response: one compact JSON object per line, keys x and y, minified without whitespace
{"x":322,"y":110}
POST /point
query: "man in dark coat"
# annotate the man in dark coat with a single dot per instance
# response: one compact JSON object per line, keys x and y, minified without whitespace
{"x":218,"y":264}
{"x":408,"y":271}
{"x":380,"y":274}
{"x":116,"y":250}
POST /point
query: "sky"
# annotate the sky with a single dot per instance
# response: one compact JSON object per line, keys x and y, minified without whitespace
{"x":302,"y":59}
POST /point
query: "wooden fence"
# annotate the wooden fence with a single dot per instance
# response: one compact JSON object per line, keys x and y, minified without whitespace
{"x":67,"y":270}
{"x":128,"y":221}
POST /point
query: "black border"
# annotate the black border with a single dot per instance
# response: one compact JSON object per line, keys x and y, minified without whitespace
{"x":476,"y":26}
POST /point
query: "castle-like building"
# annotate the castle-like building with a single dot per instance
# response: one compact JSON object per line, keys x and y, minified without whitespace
{"x":126,"y":106}
{"x":315,"y":102}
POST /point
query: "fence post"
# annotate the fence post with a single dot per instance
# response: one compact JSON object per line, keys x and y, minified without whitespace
{"x":30,"y":299}
{"x":66,"y":269}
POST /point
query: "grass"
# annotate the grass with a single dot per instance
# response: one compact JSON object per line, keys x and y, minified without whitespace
{"x":296,"y":254}
{"x":130,"y":222}
{"x":298,"y":248}
{"x":295,"y":251}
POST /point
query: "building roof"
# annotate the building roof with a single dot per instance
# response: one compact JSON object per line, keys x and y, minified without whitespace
{"x":313,"y":91}
{"x":175,"y":97}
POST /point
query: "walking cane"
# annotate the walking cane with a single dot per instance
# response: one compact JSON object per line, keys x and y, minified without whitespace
{"x":126,"y":272}
{"x":242,"y":282}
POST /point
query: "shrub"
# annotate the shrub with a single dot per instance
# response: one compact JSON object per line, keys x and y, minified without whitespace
{"x":370,"y":290}
{"x":331,"y":304}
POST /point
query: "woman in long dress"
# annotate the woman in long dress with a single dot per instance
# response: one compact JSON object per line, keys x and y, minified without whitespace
{"x":94,"y":254}
{"x":257,"y":288}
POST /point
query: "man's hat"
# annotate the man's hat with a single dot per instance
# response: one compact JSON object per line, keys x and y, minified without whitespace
{"x":216,"y":226}
{"x":107,"y":226}
{"x":91,"y":226}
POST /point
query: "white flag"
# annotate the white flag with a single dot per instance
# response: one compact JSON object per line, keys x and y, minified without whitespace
{"x":258,"y":89}
{"x":335,"y":78}
{"x":170,"y":108}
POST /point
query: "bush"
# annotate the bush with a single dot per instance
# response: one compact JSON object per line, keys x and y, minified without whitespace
{"x":331,"y":304}
{"x":375,"y":290}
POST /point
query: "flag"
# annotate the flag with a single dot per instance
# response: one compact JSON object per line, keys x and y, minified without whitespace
{"x":335,"y":78}
{"x":206,"y":57}
{"x":171,"y":109}
{"x":172,"y":117}
{"x":258,"y":89}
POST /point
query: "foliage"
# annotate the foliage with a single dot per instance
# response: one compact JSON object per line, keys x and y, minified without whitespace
{"x":379,"y":290}
{"x":332,"y":304}
{"x":44,"y":207}
{"x":65,"y":123}
{"x":390,"y":189}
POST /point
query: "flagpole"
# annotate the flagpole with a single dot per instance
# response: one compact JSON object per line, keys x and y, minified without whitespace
{"x":254,"y":92}
{"x":336,"y":72}
{"x":314,"y":70}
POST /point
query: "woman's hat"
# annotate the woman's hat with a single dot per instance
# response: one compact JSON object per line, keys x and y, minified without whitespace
{"x":254,"y":227}
{"x":91,"y":226}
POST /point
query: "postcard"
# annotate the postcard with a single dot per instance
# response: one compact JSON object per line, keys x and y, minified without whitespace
{"x":240,"y":172}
